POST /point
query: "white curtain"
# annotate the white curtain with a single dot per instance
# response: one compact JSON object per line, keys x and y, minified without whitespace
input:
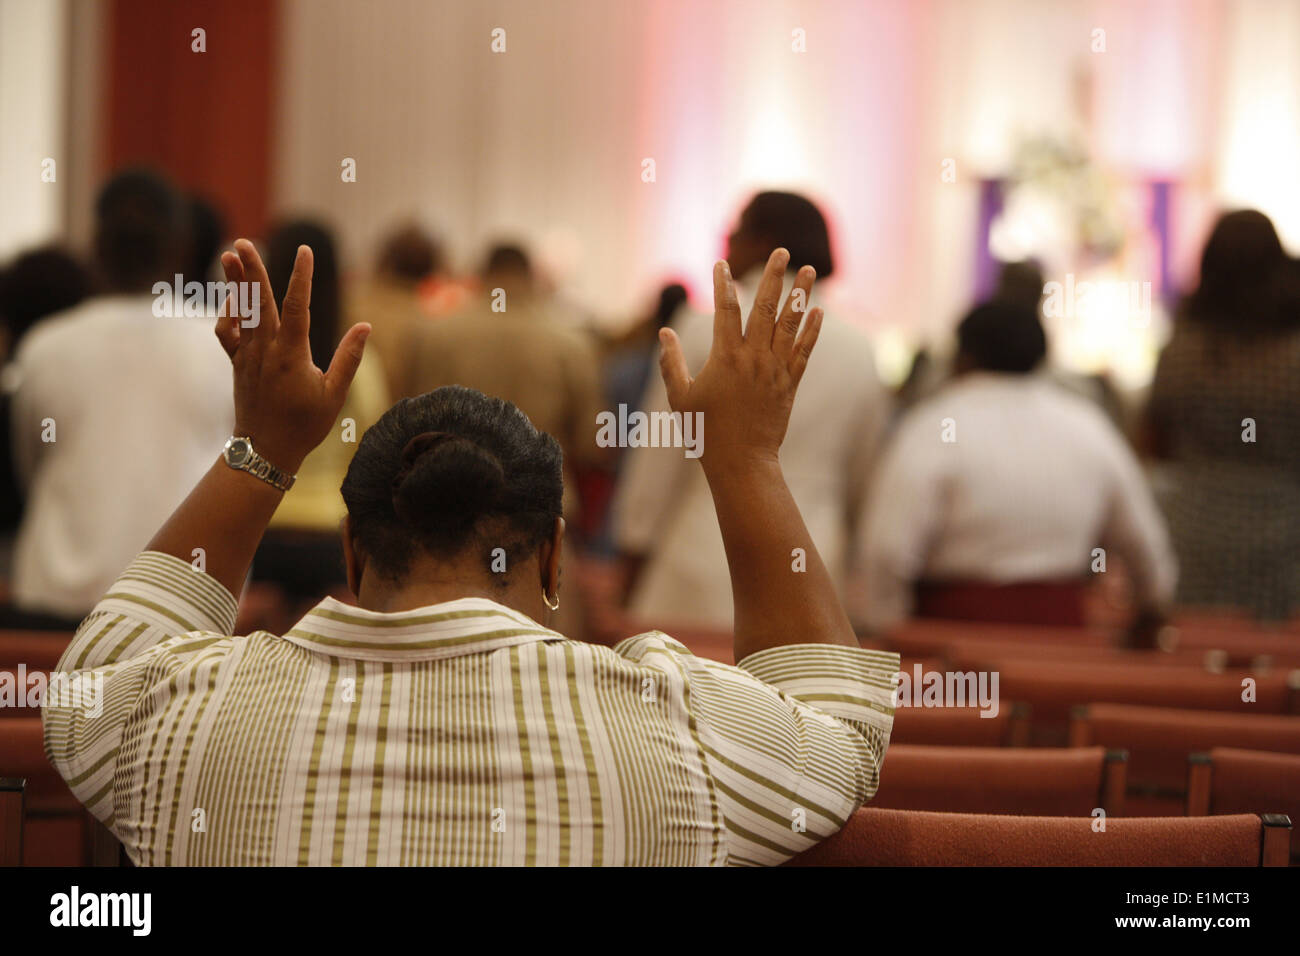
{"x":546,"y":141}
{"x":32,"y":90}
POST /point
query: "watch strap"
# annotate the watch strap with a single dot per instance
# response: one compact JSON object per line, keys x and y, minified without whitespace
{"x":259,"y":467}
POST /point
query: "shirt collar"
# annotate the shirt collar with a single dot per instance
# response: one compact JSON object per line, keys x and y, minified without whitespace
{"x":436,"y":632}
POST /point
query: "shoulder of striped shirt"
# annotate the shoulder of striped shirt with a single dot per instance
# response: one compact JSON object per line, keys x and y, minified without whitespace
{"x":639,"y":648}
{"x":193,"y":642}
{"x":184,"y":647}
{"x":634,"y":649}
{"x":639,"y":645}
{"x":648,"y":641}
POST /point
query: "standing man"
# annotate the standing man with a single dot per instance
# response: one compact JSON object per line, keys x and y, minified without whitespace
{"x":663,"y":513}
{"x":115,"y":410}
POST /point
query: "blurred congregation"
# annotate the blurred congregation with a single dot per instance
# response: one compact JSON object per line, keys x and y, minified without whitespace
{"x":1103,"y":508}
{"x":1019,"y":523}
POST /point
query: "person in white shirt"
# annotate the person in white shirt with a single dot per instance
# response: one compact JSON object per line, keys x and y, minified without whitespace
{"x":662,"y":516}
{"x":1006,"y":485}
{"x":115,"y":409}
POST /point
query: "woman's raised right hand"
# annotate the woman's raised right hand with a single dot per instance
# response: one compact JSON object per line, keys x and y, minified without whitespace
{"x":746,"y":389}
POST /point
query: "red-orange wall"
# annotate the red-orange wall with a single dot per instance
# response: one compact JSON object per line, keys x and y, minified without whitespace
{"x":203,"y":118}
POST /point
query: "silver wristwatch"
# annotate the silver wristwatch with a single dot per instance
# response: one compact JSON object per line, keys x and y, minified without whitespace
{"x":239,"y":454}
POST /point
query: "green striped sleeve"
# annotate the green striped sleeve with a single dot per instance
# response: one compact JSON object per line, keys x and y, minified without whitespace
{"x":158,"y":596}
{"x":853,"y":684}
{"x":793,"y":738}
{"x":85,"y":717}
{"x":108,"y":666}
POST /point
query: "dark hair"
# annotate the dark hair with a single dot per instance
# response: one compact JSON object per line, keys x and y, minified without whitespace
{"x":40,"y":283}
{"x":141,"y":230}
{"x":449,"y":470}
{"x":507,"y":257}
{"x":1020,"y":282}
{"x":207,"y":229}
{"x":410,"y":254}
{"x":671,"y":298}
{"x":1002,"y":336}
{"x":1247,"y":283}
{"x":326,"y":315}
{"x":790,"y":220}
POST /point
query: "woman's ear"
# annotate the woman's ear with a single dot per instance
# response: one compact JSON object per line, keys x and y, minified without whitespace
{"x":551,"y":559}
{"x":354,"y":560}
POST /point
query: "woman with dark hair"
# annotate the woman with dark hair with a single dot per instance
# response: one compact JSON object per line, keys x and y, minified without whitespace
{"x":1225,"y":416}
{"x":300,"y":557}
{"x":440,"y":720}
{"x":37,"y":284}
{"x":993,"y":493}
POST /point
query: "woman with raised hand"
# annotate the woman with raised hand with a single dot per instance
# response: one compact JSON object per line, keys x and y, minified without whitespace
{"x":662,"y":512}
{"x":440,"y":721}
{"x":300,"y":559}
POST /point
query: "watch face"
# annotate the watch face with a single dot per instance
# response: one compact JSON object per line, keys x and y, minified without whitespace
{"x":238,"y":452}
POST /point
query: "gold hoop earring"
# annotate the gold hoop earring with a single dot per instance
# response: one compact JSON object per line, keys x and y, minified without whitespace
{"x":547,"y":601}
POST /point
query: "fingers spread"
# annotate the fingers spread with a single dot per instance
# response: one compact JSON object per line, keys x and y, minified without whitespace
{"x":672,"y":366}
{"x":295,"y":318}
{"x":796,"y":305}
{"x":268,"y":322}
{"x":227,"y":322}
{"x":726,"y":309}
{"x":804,"y":346}
{"x":346,"y":361}
{"x":758,"y":333}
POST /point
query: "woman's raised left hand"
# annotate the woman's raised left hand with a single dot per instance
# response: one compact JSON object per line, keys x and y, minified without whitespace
{"x":283,"y":402}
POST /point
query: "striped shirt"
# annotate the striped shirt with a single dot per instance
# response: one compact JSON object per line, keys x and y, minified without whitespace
{"x":461,"y":733}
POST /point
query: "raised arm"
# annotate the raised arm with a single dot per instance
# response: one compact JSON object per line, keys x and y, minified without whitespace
{"x":286,"y":406}
{"x":745,"y":393}
{"x":283,"y":402}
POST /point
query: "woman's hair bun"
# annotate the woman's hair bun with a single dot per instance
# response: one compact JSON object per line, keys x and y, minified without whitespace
{"x":445,"y":483}
{"x":476,"y":469}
